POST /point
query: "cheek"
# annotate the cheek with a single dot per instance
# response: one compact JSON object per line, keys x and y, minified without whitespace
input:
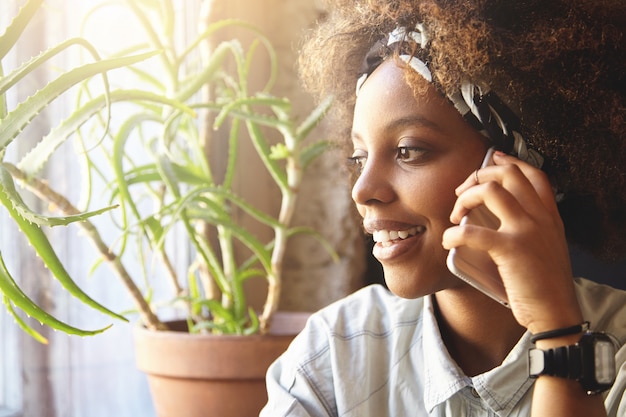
{"x":434,"y":195}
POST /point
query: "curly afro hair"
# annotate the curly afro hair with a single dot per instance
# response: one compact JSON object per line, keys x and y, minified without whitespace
{"x":559,"y":64}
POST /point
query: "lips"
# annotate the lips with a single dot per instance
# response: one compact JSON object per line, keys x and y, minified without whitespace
{"x":393,"y":239}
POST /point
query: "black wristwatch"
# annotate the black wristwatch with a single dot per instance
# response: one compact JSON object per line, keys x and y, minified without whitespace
{"x":591,"y":361}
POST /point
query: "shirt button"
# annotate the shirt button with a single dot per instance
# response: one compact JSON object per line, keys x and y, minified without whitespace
{"x":475,"y":393}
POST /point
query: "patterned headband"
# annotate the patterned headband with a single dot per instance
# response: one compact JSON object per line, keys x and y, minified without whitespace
{"x":478,"y":105}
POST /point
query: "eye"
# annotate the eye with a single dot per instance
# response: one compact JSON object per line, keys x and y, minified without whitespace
{"x":410,"y":153}
{"x":357,"y":161}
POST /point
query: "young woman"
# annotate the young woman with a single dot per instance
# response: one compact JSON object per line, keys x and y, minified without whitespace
{"x":425,"y":87}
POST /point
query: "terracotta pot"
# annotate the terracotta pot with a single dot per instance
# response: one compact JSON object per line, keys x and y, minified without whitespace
{"x":208,"y":375}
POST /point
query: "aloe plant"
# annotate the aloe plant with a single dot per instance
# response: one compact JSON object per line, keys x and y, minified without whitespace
{"x":11,"y":125}
{"x":173,"y":167}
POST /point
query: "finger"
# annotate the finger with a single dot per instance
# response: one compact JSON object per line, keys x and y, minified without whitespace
{"x":476,"y":237}
{"x":473,"y":179}
{"x":537,"y":178}
{"x":527,"y":183}
{"x":504,"y":204}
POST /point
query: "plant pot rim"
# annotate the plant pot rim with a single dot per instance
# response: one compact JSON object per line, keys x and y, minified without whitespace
{"x":165,"y":352}
{"x":284,"y":323}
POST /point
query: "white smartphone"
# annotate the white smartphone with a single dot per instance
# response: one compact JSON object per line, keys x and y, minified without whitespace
{"x":475,"y":266}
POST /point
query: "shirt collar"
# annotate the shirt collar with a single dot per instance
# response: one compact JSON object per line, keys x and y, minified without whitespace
{"x":500,"y":388}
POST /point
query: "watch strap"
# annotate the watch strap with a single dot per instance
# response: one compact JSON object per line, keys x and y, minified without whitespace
{"x":565,"y":331}
{"x":591,"y":362}
{"x":563,"y":361}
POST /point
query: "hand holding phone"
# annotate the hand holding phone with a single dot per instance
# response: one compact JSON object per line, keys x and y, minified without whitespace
{"x":476,"y":266}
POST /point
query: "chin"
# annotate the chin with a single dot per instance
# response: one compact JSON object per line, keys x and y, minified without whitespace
{"x":406,"y":287}
{"x":417,"y":283}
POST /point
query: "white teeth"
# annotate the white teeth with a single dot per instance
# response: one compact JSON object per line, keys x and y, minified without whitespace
{"x":387,"y":236}
{"x":381,"y":236}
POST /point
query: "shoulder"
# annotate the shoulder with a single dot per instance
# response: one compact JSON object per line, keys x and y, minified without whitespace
{"x":365,"y":333}
{"x":604,"y":307}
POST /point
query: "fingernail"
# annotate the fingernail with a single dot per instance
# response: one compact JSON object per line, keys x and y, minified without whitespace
{"x":499,"y":153}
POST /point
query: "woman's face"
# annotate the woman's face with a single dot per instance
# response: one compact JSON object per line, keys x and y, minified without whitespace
{"x":412,"y":154}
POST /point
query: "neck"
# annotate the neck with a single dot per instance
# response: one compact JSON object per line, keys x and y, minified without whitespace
{"x":477,"y":331}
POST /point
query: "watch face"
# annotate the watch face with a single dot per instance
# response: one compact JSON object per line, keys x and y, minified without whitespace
{"x":604,"y":361}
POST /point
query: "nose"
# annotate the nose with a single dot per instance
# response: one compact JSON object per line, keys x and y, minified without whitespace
{"x":373,"y":185}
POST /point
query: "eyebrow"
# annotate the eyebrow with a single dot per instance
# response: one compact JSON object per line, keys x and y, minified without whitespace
{"x":412,"y":120}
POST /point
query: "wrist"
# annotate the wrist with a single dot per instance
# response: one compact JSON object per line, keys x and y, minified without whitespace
{"x":561,"y":336}
{"x":590,"y":359}
{"x":558,"y":341}
{"x":557,"y":320}
{"x":559,"y":311}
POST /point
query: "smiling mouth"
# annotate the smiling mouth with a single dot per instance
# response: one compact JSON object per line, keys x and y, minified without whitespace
{"x":389,"y":237}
